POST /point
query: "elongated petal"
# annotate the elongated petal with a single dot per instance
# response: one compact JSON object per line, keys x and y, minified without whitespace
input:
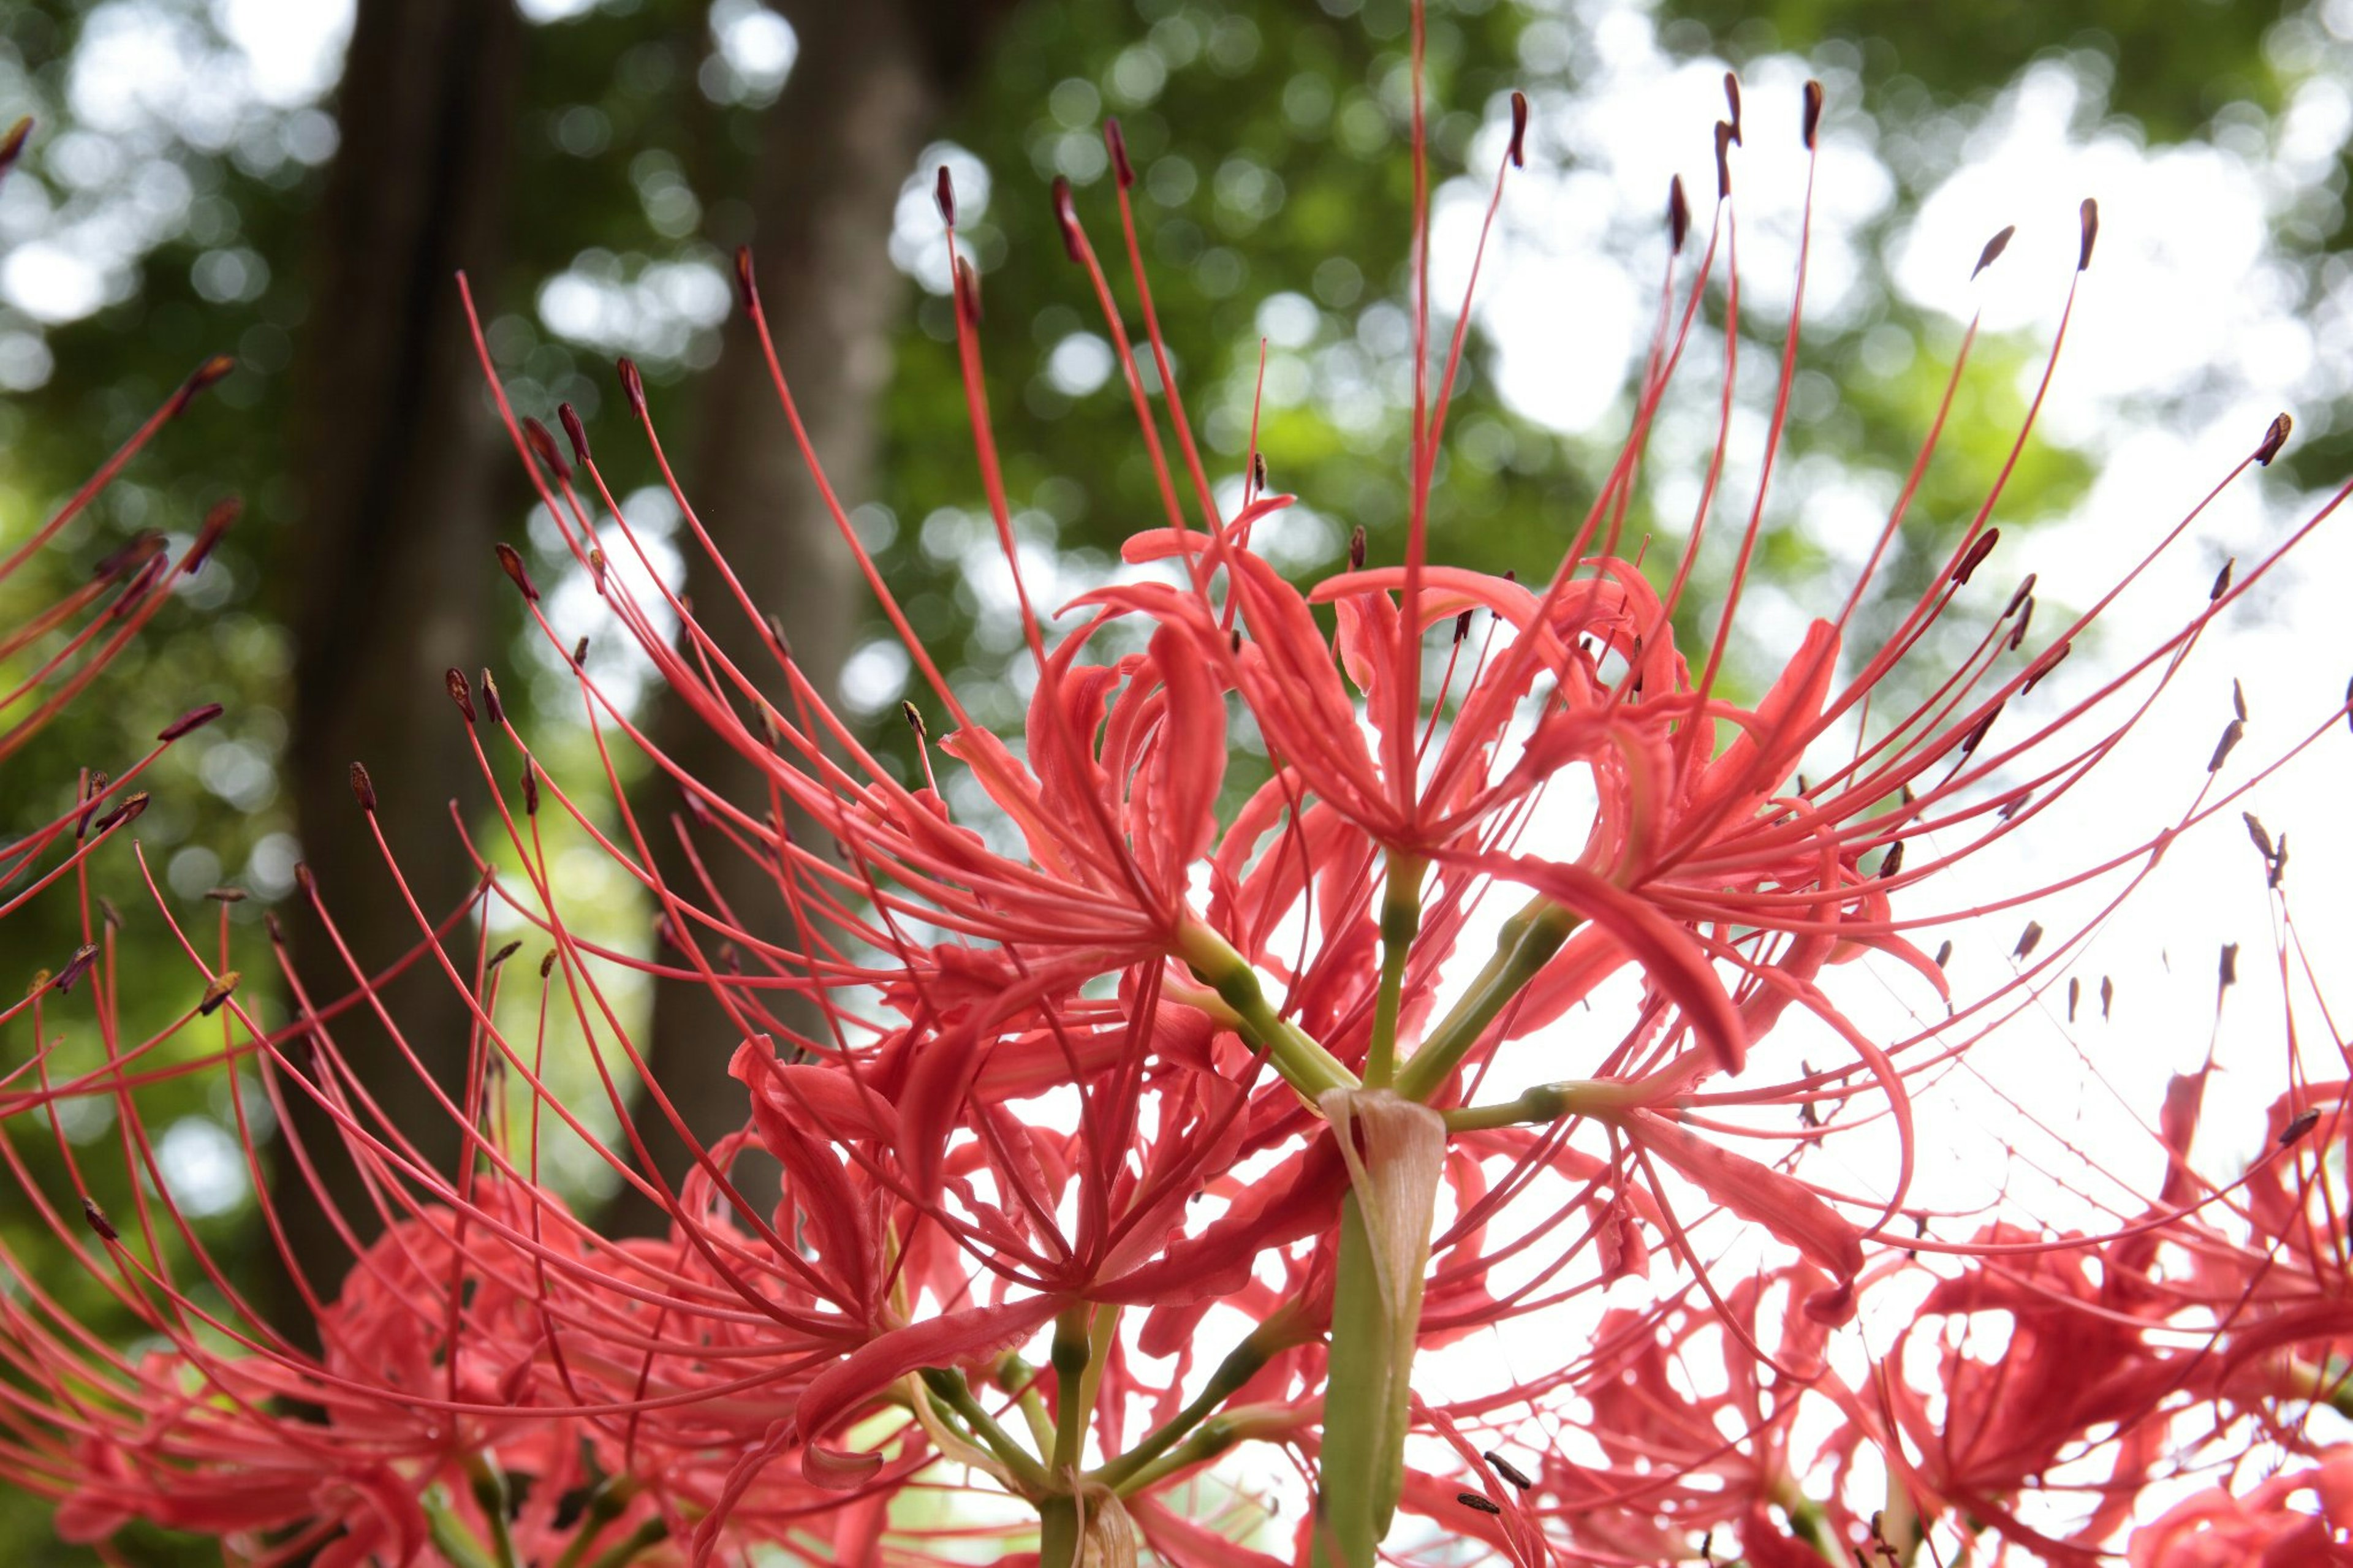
{"x":1755,"y":1192}
{"x":953,"y":1338}
{"x":1670,"y":958}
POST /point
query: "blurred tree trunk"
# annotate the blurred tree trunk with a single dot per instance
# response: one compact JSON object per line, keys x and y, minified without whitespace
{"x":869,"y":87}
{"x":400,"y":467}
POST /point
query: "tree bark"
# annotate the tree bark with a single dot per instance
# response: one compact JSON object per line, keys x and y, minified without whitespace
{"x":868,"y":89}
{"x":399,"y":464}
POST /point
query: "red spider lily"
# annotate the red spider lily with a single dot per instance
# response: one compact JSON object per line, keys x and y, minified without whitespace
{"x":2260,"y":1527}
{"x":1121,"y":1081}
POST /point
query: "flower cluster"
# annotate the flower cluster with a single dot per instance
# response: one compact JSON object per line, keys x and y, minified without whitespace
{"x":1171,"y":1141}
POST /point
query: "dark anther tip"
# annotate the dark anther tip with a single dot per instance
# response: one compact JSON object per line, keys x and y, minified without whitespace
{"x":746,"y":290}
{"x":193,"y":719}
{"x":1066,"y":217}
{"x":2273,"y":439}
{"x":512,"y":564}
{"x":1977,"y":551}
{"x":569,"y":417}
{"x":1115,"y":139}
{"x":542,"y":446}
{"x":1993,"y":249}
{"x":454,"y":680}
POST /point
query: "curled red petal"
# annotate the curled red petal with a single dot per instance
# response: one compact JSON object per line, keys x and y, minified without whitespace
{"x":952,"y":1339}
{"x":1760,"y":1193}
{"x":1670,"y":957}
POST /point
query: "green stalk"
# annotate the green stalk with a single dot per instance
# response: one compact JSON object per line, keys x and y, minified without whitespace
{"x":1019,"y":1379}
{"x":1058,"y":1532}
{"x":1523,"y":948}
{"x":461,"y":1546}
{"x":950,"y":1389}
{"x":1400,"y":923}
{"x":490,"y":1486}
{"x":1073,"y":1353}
{"x":1241,"y":1363}
{"x":1550,"y":1102}
{"x":649,"y":1534}
{"x":1367,"y":1389}
{"x":1215,"y":1436}
{"x":1813,"y":1527}
{"x":1304,"y":1063}
{"x":1396,"y":1154}
{"x":605,"y":1504}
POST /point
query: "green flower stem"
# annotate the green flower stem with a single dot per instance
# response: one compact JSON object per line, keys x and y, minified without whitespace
{"x":1213,"y":1438}
{"x":1058,"y":1545}
{"x":1368,"y":1393}
{"x":1241,"y":1363}
{"x":1550,"y":1102}
{"x":1101,"y":1333}
{"x":949,"y":1388}
{"x":1019,"y":1379}
{"x":649,"y":1534}
{"x":1072,"y":1354}
{"x":1400,"y":923}
{"x":1522,"y":947}
{"x":2330,"y":1384}
{"x":1304,"y":1063}
{"x":605,"y":1504}
{"x":461,"y":1546}
{"x":1813,"y":1527}
{"x":489,"y":1485}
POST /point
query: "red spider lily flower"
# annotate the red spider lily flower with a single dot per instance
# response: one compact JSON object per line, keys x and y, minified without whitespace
{"x":1119,"y":1080}
{"x":417,"y":1414}
{"x":2078,"y":1359}
{"x":2264,"y":1527}
{"x":1729,"y":892}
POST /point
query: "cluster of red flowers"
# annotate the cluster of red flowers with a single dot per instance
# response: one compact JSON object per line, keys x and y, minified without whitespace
{"x":1119,"y":1072}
